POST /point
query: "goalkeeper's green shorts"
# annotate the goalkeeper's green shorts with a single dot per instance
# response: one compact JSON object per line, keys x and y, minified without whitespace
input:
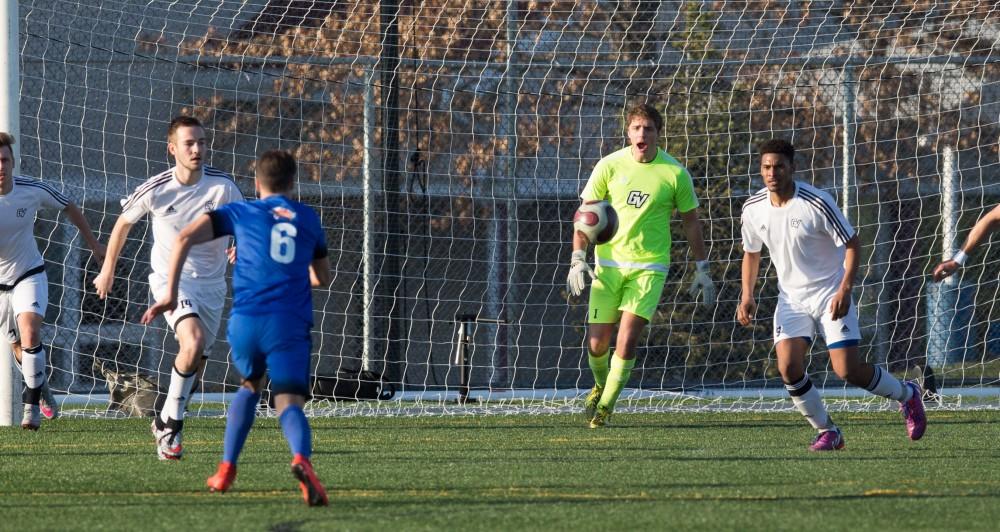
{"x":624,"y":289}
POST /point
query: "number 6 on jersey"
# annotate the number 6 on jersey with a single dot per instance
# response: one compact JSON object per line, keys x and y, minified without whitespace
{"x":283,"y":242}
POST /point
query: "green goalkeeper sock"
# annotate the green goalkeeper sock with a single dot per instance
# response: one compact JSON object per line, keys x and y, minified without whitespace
{"x":618,"y":376}
{"x":599,"y":367}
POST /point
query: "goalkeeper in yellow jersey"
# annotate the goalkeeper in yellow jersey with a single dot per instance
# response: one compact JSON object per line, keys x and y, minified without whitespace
{"x":645,"y":185}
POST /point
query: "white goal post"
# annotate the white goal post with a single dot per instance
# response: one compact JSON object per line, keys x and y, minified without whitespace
{"x":10,"y":377}
{"x":445,"y":144}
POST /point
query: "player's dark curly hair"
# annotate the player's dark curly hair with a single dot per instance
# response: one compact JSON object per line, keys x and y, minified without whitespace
{"x":779,"y":146}
{"x":276,"y":170}
{"x":644,"y":110}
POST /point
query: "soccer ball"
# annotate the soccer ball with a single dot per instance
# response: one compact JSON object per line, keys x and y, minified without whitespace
{"x":597,"y":220}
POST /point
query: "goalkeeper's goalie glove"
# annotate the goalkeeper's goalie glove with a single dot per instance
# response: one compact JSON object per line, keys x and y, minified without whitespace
{"x":703,"y":283}
{"x":579,"y":270}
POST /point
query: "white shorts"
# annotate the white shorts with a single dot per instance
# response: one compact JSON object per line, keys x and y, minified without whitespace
{"x":29,"y":295}
{"x":203,"y":299}
{"x":792,"y":320}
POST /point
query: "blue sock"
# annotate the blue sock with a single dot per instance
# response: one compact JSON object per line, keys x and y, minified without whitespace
{"x":242,"y":411}
{"x":296,"y":428}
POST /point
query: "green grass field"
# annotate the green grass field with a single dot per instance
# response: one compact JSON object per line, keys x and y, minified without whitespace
{"x":705,"y":471}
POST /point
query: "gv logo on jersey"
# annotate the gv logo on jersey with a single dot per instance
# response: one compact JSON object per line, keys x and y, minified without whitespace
{"x":282,"y":213}
{"x":21,"y":212}
{"x":210,"y":205}
{"x":796,"y":223}
{"x":636,"y":198}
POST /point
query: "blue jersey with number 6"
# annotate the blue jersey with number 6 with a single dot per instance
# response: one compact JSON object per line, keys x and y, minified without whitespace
{"x":276,"y":240}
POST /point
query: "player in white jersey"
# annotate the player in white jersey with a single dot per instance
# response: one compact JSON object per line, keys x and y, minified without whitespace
{"x":815,"y":252}
{"x":173,"y":199}
{"x":24,"y":288}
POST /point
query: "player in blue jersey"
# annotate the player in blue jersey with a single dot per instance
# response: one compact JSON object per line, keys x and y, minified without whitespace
{"x":280,"y":253}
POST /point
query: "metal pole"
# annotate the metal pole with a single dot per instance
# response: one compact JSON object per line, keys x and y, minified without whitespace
{"x":881,"y":255}
{"x":10,"y":378}
{"x":507,"y":299}
{"x":850,"y":119}
{"x":949,"y":208}
{"x":943,"y":327}
{"x":390,"y":278}
{"x":461,"y":359}
{"x":367,"y":245}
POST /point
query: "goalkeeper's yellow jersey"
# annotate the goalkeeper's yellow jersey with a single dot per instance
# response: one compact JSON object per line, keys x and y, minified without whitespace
{"x":645,"y":196}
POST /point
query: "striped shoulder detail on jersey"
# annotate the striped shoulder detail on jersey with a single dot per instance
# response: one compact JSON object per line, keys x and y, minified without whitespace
{"x":756,"y":198}
{"x":155,"y":181}
{"x":151,"y":184}
{"x":816,"y":201}
{"x":213,"y":171}
{"x":37,"y":183}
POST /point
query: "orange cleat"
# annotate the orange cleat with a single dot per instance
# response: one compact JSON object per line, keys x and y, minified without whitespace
{"x":312,"y":490}
{"x":223,"y":478}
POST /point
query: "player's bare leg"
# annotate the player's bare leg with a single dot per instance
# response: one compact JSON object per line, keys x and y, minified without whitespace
{"x":791,"y":354}
{"x":848,"y":365}
{"x":168,"y":425}
{"x":198,"y":378}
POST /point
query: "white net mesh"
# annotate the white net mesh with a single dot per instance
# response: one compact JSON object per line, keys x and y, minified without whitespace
{"x":446,"y":158}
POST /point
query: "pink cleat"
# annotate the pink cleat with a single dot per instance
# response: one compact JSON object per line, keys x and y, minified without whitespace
{"x":914,"y":413}
{"x":828,"y":440}
{"x":48,"y":404}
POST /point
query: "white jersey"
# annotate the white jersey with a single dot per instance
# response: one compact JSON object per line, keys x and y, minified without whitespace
{"x":18,"y":250}
{"x":805,"y":238}
{"x":171,"y":206}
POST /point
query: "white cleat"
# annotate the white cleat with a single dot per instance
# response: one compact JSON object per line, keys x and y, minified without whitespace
{"x":32,"y":418}
{"x":168,"y":442}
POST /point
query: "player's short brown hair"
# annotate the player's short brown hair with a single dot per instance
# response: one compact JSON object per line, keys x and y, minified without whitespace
{"x":647,"y":111}
{"x":7,"y":141}
{"x":276,"y":170}
{"x":779,"y":146}
{"x":179,"y":122}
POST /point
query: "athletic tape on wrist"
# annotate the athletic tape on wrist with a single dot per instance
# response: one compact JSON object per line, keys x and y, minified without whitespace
{"x":960,"y":257}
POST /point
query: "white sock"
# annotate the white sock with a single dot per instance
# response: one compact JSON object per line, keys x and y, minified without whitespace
{"x":180,"y":388}
{"x":33,"y":366}
{"x":885,"y":385}
{"x":807,"y":400}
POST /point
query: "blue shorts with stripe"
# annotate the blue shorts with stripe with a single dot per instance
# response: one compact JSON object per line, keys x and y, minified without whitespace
{"x":279,"y":344}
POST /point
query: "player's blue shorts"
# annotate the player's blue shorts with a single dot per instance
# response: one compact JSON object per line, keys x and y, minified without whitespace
{"x":277,"y":343}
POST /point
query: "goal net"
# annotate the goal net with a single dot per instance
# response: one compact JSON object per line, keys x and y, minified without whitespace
{"x":445,"y":144}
